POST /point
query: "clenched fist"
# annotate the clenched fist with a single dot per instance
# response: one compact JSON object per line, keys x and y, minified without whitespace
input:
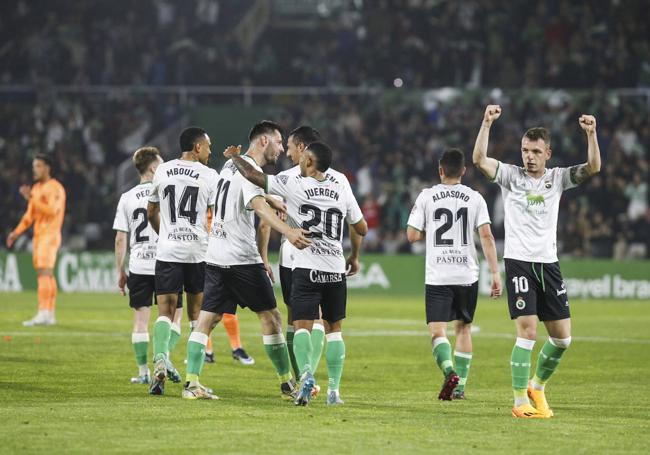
{"x":587,"y":123}
{"x":492,"y":112}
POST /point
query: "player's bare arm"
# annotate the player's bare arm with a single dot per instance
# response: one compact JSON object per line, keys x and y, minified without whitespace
{"x":25,"y":191}
{"x":278,"y":205}
{"x":488,"y":166}
{"x":266,"y":214}
{"x":490,"y":253}
{"x":153,"y":215}
{"x":582,"y":172}
{"x":120,"y":255}
{"x":357,"y":232}
{"x":414,"y":235}
{"x":245,"y":169}
{"x":263,"y":235}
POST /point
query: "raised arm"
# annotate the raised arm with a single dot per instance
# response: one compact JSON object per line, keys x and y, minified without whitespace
{"x":245,"y":169}
{"x":487,"y":165}
{"x":153,"y":215}
{"x":490,"y":252}
{"x":120,"y":255}
{"x":269,"y":217}
{"x":582,"y":172}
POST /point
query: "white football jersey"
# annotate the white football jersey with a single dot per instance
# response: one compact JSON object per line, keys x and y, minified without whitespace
{"x":449,"y":214}
{"x":531,"y":209}
{"x":184,"y":190}
{"x":232,"y":236}
{"x":131,"y":217}
{"x":286,"y":248}
{"x":320,"y":207}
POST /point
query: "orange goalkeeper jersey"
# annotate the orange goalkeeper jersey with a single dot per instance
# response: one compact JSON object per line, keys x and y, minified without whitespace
{"x":45,"y":209}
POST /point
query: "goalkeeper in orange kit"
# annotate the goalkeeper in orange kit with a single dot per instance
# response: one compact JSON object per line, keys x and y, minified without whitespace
{"x":45,"y":210}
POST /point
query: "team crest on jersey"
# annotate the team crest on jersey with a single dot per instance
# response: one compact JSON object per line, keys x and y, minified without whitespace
{"x":284,"y":179}
{"x":520,"y":303}
{"x":548,"y":184}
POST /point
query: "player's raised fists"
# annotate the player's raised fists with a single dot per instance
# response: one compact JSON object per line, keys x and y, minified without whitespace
{"x":492,"y":112}
{"x":297,"y":238}
{"x":587,"y":123}
{"x":231,"y":151}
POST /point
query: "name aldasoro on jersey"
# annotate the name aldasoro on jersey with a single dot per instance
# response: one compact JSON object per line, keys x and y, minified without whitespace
{"x":450,"y":193}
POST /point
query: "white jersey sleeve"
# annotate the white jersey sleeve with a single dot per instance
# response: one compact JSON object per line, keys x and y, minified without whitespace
{"x":506,"y":174}
{"x":482,"y":214}
{"x":353,"y":213}
{"x":278,"y":184}
{"x":564,"y":174}
{"x":417,"y":218}
{"x":121,"y":222}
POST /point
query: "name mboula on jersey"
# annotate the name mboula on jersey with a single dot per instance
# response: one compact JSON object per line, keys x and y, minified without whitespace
{"x":184,"y":190}
{"x":286,"y":248}
{"x":131,"y":217}
{"x":320,"y":207}
{"x":232,"y":237}
{"x":449,"y":214}
{"x":531,"y":210}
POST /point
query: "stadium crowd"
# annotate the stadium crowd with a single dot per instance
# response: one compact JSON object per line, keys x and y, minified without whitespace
{"x":425,"y":43}
{"x":387,"y":145}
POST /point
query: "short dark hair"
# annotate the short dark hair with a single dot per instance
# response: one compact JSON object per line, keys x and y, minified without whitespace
{"x":539,"y":133}
{"x":323,"y":154}
{"x":305,"y":134}
{"x":47,"y":159}
{"x":143,"y":157}
{"x":452,"y":162}
{"x":263,"y":127}
{"x":189,"y":136}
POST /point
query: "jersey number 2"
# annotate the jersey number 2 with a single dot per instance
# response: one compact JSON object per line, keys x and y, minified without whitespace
{"x":142,"y":226}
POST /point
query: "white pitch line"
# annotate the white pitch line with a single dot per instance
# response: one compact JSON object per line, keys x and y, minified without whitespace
{"x":348,"y":333}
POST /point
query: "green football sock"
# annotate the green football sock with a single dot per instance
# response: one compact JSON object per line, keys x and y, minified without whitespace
{"x":547,"y":361}
{"x":335,"y":355}
{"x":317,"y":343}
{"x":140,"y":343}
{"x":195,"y":355}
{"x":161,"y":333}
{"x":292,"y":357}
{"x":442,"y":354}
{"x":174,"y":336}
{"x":462,"y":362}
{"x":520,"y":367}
{"x":303,"y":350}
{"x":276,"y":349}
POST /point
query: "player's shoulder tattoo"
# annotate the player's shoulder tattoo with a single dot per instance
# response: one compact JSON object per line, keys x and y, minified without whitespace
{"x":579,"y":173}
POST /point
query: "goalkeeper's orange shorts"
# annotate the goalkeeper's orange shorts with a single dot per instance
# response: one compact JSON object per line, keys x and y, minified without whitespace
{"x":45,"y":251}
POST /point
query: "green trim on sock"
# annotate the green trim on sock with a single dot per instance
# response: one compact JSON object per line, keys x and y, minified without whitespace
{"x":292,"y":357}
{"x":335,"y":356}
{"x":317,"y":343}
{"x":520,"y":367}
{"x":303,"y":351}
{"x":442,"y":355}
{"x":161,"y":333}
{"x":547,"y":361}
{"x":140,"y":349}
{"x":279,"y":356}
{"x":461,"y":366}
{"x":195,"y":358}
{"x":174,"y":336}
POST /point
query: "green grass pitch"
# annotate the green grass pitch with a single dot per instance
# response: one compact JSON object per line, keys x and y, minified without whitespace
{"x":66,"y":388}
